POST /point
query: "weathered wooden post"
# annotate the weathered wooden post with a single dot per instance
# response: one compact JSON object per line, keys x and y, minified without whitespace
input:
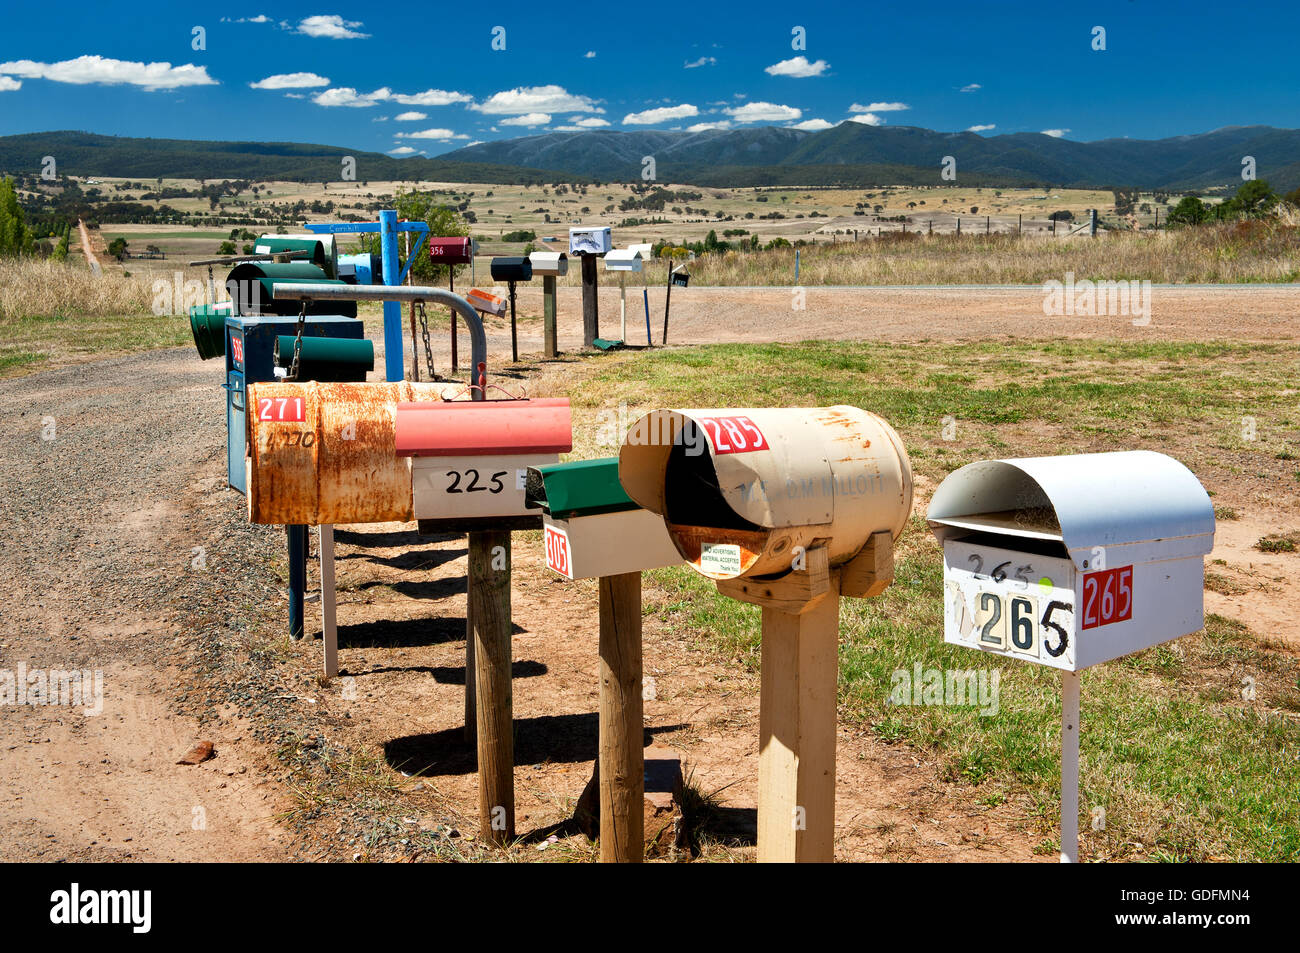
{"x":489,"y":596}
{"x":549,"y":264}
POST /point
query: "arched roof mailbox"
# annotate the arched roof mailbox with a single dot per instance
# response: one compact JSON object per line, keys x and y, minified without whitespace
{"x":470,"y":459}
{"x":741,"y":490}
{"x":552,"y":263}
{"x":1072,"y":560}
{"x":591,"y":527}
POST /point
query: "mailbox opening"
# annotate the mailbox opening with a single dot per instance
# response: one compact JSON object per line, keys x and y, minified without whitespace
{"x":699,"y":516}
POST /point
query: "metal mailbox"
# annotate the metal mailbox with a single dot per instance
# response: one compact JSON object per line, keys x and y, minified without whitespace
{"x":590,"y":241}
{"x":251,"y":287}
{"x":250,"y":358}
{"x":451,"y":251}
{"x":552,"y":263}
{"x":323,"y":453}
{"x":471,"y":459}
{"x":322,"y":250}
{"x":512,"y":269}
{"x":1073,"y":560}
{"x":623,"y":259}
{"x":486,"y":302}
{"x":591,"y":527}
{"x":740,"y":489}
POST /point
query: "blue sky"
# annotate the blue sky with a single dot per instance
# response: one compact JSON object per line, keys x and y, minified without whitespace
{"x":426,"y":77}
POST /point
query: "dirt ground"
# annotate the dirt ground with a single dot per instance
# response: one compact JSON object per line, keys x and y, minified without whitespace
{"x":127,"y":553}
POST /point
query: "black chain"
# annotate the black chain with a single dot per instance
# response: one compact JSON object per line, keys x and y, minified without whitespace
{"x":424,"y":332}
{"x":297,"y":343}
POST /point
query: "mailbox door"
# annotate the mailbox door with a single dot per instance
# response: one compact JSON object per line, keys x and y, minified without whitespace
{"x":608,"y":544}
{"x":484,"y":487}
{"x":235,"y":431}
{"x":1011,"y":603}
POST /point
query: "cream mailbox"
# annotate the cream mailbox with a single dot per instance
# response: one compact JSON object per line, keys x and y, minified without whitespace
{"x":591,"y":526}
{"x":590,"y":241}
{"x":623,"y":259}
{"x":1071,"y":561}
{"x":549,"y":263}
{"x":741,"y":491}
{"x":471,"y":462}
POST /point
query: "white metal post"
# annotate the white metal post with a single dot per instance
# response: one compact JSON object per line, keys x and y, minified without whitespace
{"x":622,"y":303}
{"x":328,"y":609}
{"x":1069,"y":767}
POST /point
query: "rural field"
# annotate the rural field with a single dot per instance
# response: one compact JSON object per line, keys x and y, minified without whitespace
{"x":372,"y":765}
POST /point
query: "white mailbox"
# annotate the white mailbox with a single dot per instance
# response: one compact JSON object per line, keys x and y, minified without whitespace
{"x":1073,"y":560}
{"x":645,"y":250}
{"x":591,"y":527}
{"x":549,"y":263}
{"x":590,"y":241}
{"x":623,"y":259}
{"x":471,"y":459}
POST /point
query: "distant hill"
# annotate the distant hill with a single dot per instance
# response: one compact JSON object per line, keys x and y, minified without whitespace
{"x":85,"y":153}
{"x":850,"y":154}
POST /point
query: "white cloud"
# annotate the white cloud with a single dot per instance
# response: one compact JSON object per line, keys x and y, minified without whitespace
{"x":813,"y":125}
{"x":798,"y":67}
{"x":868,"y":119}
{"x":971,"y":87}
{"x":1054,"y":133}
{"x":879,"y":108}
{"x":764,"y":112}
{"x":528,"y":119}
{"x":290,"y":81}
{"x":411,"y":116}
{"x":591,"y":122}
{"x":984,"y":128}
{"x":589,"y":55}
{"x":702,"y":61}
{"x":9,"y":84}
{"x":109,"y":72}
{"x":430,"y":97}
{"x":331,"y":27}
{"x":260,"y":18}
{"x":380,"y":119}
{"x":440,"y":134}
{"x":347,"y":96}
{"x":295,"y":96}
{"x":401,"y":151}
{"x":706,"y":126}
{"x":535,"y":99}
{"x":662,"y":114}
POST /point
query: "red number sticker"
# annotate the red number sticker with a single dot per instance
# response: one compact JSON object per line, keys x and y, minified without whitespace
{"x":1107,"y":597}
{"x":280,"y":409}
{"x":557,"y":551}
{"x":733,"y":434}
{"x":237,"y":349}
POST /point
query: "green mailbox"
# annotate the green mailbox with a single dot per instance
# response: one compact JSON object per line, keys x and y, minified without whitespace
{"x":591,"y":527}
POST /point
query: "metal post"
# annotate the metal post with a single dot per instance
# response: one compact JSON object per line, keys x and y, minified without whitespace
{"x":297,"y":577}
{"x":1069,"y":767}
{"x":451,"y":286}
{"x":392,"y":310}
{"x":514,"y":337}
{"x":622,"y":305}
{"x":329,"y":630}
{"x":796,"y":266}
{"x":645,"y":293}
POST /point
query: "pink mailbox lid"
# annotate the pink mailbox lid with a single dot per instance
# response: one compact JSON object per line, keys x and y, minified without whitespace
{"x":466,"y":428}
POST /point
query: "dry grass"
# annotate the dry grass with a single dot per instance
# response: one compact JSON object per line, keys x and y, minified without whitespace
{"x":40,"y":288}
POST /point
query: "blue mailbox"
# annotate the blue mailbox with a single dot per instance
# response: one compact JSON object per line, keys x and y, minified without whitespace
{"x":250,"y":358}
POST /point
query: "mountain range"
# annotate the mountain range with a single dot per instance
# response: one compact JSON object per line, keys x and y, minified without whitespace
{"x":850,"y":154}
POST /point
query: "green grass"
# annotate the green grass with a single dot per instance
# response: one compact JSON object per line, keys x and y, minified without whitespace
{"x":1184,"y":766}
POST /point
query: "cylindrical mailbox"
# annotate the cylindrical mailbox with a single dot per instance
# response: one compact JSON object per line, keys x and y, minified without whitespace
{"x":740,"y":489}
{"x":327,"y":359}
{"x":324,"y":453}
{"x":512,"y":269}
{"x":250,"y":285}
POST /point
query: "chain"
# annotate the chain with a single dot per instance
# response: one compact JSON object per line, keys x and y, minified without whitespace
{"x":297,"y":343}
{"x":424,"y":332}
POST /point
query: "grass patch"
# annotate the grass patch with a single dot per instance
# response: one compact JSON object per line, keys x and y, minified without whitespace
{"x":1278,"y":543}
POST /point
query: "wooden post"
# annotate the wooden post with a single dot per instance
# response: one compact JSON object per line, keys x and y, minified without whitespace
{"x":489,"y":598}
{"x":471,"y":705}
{"x":550,"y":347}
{"x":796,"y":761}
{"x":959,"y":226}
{"x":1069,"y":767}
{"x":622,"y":765}
{"x":328,"y":608}
{"x":1020,"y":223}
{"x":988,"y":224}
{"x":590,"y":302}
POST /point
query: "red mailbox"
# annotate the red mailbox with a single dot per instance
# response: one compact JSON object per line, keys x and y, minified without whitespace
{"x":451,"y":251}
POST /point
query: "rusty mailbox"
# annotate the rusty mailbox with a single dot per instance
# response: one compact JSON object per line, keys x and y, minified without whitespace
{"x":742,"y":490}
{"x":322,"y":454}
{"x":470,"y":459}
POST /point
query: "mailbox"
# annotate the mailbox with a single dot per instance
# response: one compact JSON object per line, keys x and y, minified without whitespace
{"x":486,"y":302}
{"x":623,"y":259}
{"x":323,"y":453}
{"x":1073,"y":560}
{"x":471,"y":459}
{"x":362,"y":268}
{"x":251,"y":285}
{"x":451,"y":251}
{"x":552,"y":263}
{"x":645,"y":250}
{"x":512,"y":269}
{"x":740,"y":489}
{"x":321,"y":250}
{"x":590,"y":241}
{"x":250,"y":358}
{"x":591,"y":527}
